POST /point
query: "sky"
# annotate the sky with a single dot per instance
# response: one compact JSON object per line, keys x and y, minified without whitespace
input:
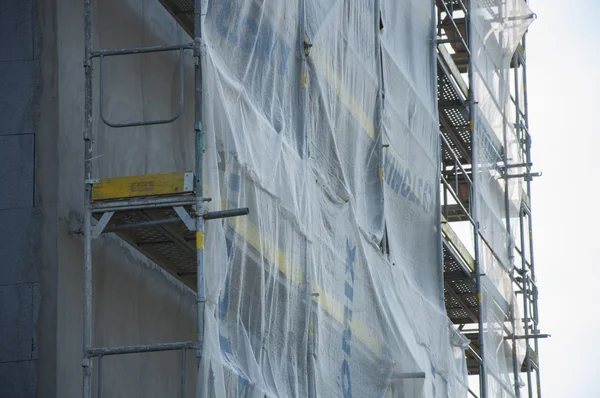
{"x":563,"y":63}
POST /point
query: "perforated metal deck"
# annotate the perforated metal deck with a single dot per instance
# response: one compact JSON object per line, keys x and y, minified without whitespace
{"x":158,"y":233}
{"x":459,"y":291}
{"x":183,"y":12}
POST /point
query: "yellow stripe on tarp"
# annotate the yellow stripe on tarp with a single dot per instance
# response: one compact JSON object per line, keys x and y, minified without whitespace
{"x":271,"y":252}
{"x":335,"y":309}
{"x":350,"y":102}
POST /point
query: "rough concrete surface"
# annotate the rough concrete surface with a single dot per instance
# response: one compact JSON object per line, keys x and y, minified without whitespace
{"x":16,"y":323}
{"x":16,"y":171}
{"x":17,"y":96}
{"x":16,"y":34}
{"x":134,"y":302}
{"x":18,"y":379}
{"x":41,"y":199}
{"x":18,"y":263}
{"x":46,"y":199}
{"x":19,"y":218}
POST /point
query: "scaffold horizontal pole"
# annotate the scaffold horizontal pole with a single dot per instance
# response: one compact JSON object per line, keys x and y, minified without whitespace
{"x":137,"y":349}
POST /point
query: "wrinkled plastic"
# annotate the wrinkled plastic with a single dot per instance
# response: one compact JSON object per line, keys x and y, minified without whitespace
{"x":497,"y":27}
{"x":332,"y":285}
{"x":302,"y":300}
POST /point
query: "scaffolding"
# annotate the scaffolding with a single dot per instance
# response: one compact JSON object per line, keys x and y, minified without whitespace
{"x":163,"y":215}
{"x":464,"y":278}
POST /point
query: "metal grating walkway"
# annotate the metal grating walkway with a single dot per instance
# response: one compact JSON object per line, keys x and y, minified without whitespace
{"x":183,"y":12}
{"x":155,"y":231}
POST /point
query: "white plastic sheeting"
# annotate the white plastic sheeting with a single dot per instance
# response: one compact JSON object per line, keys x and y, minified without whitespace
{"x":301,"y":298}
{"x":497,"y":27}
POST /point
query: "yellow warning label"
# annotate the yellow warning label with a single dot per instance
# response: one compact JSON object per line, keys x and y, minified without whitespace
{"x":303,"y":79}
{"x":381,"y":173}
{"x":472,"y":125}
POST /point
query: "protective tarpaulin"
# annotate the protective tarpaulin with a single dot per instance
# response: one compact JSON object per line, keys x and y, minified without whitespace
{"x":332,"y":286}
{"x":320,"y":116}
{"x":497,"y":27}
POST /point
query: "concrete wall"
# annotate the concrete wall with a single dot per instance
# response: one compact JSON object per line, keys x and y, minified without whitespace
{"x":134,"y":301}
{"x":19,"y":210}
{"x":41,"y":200}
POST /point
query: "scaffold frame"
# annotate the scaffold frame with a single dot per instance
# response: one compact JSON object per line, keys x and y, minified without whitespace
{"x":178,"y":215}
{"x":462,"y":272}
{"x":171,"y":205}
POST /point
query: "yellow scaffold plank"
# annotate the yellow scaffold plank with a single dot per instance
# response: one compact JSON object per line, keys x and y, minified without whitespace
{"x":143,"y":185}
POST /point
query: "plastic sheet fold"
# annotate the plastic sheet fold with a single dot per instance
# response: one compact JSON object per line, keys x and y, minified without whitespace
{"x":323,"y":121}
{"x":498,"y":27}
{"x":321,"y":117}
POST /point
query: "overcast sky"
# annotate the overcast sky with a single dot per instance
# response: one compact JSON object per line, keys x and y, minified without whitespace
{"x":564,"y":87}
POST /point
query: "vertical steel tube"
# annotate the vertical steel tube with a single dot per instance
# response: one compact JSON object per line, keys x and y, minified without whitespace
{"x":312,"y":330}
{"x":304,"y":40}
{"x":99,"y":393}
{"x":87,"y":305}
{"x":312,"y":383}
{"x":379,"y":111}
{"x":435,"y":17}
{"x":183,"y":381}
{"x":445,"y":202}
{"x":530,"y":221}
{"x":534,"y":299}
{"x":522,"y":232}
{"x":525,"y":302}
{"x":198,"y":189}
{"x":505,"y":132}
{"x":477,"y":256}
{"x":87,"y":137}
{"x":525,"y":111}
{"x":456,"y":178}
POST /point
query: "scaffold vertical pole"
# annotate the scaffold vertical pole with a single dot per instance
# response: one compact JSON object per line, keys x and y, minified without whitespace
{"x":304,"y":41}
{"x":525,"y":302}
{"x":198,"y":190}
{"x":529,"y":218}
{"x":517,"y":61}
{"x":379,"y":111}
{"x":87,"y":137}
{"x":442,"y":201}
{"x":505,"y":133}
{"x":477,"y":256}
